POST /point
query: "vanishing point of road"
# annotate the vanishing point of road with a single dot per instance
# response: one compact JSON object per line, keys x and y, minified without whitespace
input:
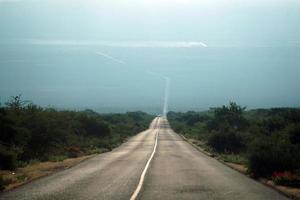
{"x":154,"y":164}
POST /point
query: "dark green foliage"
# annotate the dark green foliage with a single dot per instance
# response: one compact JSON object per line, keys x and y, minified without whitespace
{"x":272,"y":124}
{"x":2,"y":183}
{"x":270,"y":137}
{"x":74,"y":151}
{"x":286,"y":178}
{"x":268,"y":155}
{"x":228,"y":142}
{"x":92,"y":125}
{"x":8,"y":158}
{"x":190,"y":118}
{"x":7,"y":130}
{"x":29,"y":132}
{"x":189,"y":122}
{"x":294,"y":134}
{"x":228,"y":117}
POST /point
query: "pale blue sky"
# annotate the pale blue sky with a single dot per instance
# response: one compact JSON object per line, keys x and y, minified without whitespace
{"x":104,"y":53}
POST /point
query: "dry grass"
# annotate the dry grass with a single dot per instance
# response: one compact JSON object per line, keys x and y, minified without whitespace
{"x":238,"y":167}
{"x":31,"y":172}
{"x":291,"y":192}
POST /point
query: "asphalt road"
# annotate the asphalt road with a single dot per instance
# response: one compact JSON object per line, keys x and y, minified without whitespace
{"x":176,"y":171}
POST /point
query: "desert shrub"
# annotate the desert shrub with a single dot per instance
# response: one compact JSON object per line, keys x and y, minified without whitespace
{"x":2,"y":183}
{"x":7,"y":130}
{"x":92,"y":125}
{"x":268,"y":140}
{"x":229,"y":142}
{"x":8,"y":159}
{"x":269,"y":155}
{"x":286,"y":178}
{"x":294,"y":133}
{"x":29,"y":132}
{"x":74,"y":151}
{"x":178,"y":127}
{"x":274,"y":123}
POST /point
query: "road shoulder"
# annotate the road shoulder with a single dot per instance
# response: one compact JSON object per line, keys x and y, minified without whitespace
{"x":21,"y":176}
{"x":293,"y":193}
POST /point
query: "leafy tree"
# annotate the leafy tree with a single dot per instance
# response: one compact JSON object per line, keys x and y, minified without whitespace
{"x":228,"y":117}
{"x":16,"y":102}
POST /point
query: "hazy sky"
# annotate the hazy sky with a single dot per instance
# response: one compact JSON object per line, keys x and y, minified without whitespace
{"x":117,"y":53}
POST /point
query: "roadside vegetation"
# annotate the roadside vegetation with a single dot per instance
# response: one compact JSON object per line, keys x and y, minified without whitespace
{"x":32,"y":134}
{"x":267,"y":141}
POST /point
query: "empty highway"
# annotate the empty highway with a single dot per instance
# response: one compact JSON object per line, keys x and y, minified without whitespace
{"x":154,"y":164}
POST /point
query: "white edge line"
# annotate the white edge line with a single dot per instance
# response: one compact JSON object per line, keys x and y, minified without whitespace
{"x":139,"y":187}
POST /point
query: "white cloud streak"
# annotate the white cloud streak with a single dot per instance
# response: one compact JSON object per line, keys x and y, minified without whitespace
{"x":111,"y":58}
{"x":127,"y":44}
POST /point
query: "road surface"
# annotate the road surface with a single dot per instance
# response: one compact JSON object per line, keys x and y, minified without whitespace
{"x":176,"y":171}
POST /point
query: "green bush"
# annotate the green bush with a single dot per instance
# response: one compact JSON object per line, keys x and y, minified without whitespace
{"x":294,"y":133}
{"x":268,"y":140}
{"x":268,"y":155}
{"x":8,"y":133}
{"x":226,"y":142}
{"x":57,"y":158}
{"x":74,"y":151}
{"x":29,"y":132}
{"x":286,"y":178}
{"x":8,"y":159}
{"x":274,"y":123}
{"x":2,"y":183}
